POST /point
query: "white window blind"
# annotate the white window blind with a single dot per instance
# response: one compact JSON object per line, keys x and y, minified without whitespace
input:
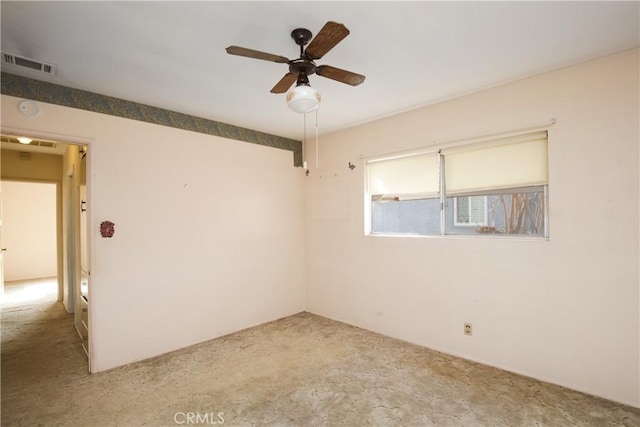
{"x":503,"y":163}
{"x":412,"y":176}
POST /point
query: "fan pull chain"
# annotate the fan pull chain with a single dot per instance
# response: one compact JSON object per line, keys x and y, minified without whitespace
{"x":304,"y":144}
{"x":317,"y":151}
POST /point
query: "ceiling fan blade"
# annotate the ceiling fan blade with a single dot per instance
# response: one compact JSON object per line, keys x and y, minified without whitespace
{"x":330,"y":35}
{"x":337,"y":74}
{"x":250,"y":53}
{"x":284,"y":84}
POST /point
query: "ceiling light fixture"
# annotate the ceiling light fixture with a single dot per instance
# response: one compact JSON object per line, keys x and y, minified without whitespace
{"x":303,"y":99}
{"x":24,"y":140}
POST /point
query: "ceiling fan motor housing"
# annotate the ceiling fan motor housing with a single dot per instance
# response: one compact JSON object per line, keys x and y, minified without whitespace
{"x":302,"y":68}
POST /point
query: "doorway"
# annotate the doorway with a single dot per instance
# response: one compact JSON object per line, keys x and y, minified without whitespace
{"x":62,"y":169}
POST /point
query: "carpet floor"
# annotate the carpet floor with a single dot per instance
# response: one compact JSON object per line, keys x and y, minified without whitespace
{"x":303,"y":370}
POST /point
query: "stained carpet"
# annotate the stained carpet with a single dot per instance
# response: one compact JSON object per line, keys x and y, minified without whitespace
{"x":303,"y":370}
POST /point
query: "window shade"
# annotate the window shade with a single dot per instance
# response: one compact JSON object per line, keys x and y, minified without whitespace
{"x":416,"y":175}
{"x":504,"y":163}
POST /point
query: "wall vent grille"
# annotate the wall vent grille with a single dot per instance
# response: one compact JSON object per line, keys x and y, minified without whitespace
{"x":20,"y":62}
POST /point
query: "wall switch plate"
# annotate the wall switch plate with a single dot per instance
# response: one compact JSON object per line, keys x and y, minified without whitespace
{"x":468,"y":329}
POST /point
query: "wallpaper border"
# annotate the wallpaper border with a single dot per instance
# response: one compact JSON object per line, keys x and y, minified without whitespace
{"x":38,"y":90}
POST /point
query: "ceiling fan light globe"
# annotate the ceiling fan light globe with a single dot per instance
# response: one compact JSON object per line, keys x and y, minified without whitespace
{"x":303,"y":99}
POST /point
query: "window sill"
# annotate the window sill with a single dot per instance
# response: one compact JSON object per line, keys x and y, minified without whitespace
{"x":464,"y":236}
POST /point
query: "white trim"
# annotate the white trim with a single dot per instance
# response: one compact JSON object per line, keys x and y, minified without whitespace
{"x":521,"y":237}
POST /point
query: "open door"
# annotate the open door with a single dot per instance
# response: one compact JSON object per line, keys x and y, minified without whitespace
{"x":82,"y":313}
{"x":76,"y":253}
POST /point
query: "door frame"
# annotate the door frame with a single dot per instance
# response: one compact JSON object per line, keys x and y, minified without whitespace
{"x":89,"y":159}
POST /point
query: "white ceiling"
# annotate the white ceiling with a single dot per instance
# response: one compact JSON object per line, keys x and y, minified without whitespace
{"x":172,"y":54}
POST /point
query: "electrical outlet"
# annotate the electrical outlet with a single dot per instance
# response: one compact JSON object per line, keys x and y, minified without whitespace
{"x":468,"y":329}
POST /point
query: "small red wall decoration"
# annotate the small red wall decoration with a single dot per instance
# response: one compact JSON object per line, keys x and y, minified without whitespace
{"x":107,"y":229}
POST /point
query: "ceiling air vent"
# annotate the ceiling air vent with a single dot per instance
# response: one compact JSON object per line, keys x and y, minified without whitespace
{"x":20,"y":62}
{"x":33,"y":143}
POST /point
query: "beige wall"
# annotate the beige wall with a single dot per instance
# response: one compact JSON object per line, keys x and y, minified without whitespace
{"x":564,"y":310}
{"x":209,"y":232}
{"x":39,"y":168}
{"x":29,"y":230}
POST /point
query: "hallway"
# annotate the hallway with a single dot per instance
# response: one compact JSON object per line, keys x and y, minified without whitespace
{"x":41,"y":351}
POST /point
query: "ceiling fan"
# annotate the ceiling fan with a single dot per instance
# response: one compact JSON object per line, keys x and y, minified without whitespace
{"x":301,"y":68}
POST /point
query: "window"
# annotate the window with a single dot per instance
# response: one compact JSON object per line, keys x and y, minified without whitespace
{"x":470,"y":211}
{"x":405,"y":194}
{"x":495,"y":187}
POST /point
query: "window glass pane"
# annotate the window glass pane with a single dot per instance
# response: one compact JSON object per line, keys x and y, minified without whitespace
{"x":509,"y":212}
{"x":418,"y":216}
